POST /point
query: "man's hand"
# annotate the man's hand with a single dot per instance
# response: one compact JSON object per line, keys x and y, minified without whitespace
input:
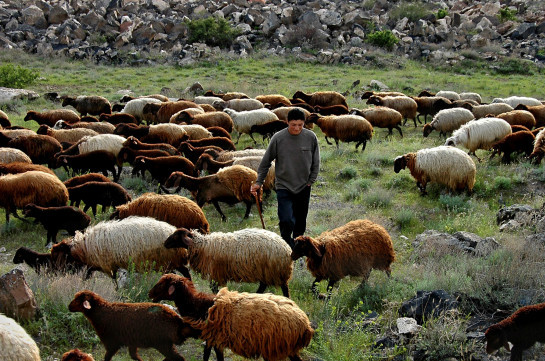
{"x":254,"y":189}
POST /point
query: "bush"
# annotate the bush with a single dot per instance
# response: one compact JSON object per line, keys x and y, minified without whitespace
{"x":307,"y":37}
{"x":514,"y":66}
{"x":384,"y":39}
{"x":441,"y":13}
{"x":348,"y":172}
{"x":456,"y":203}
{"x":212,"y":31}
{"x":506,"y":14}
{"x":12,"y":76}
{"x":412,"y":11}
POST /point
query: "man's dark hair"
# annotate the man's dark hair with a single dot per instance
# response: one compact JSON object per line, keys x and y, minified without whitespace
{"x":296,"y":114}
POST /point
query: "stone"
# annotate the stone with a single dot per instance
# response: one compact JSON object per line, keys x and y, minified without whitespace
{"x":160,"y":5}
{"x":272,"y":22}
{"x":491,"y":8}
{"x":34,"y":16}
{"x":427,"y":304}
{"x":407,"y":325}
{"x":378,"y":85}
{"x":9,"y":94}
{"x":57,"y":15}
{"x":16,"y":298}
{"x":523,"y":31}
{"x":329,"y":17}
{"x":507,"y":213}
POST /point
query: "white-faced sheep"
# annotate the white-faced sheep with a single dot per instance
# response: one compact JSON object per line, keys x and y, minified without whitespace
{"x":50,"y":117}
{"x":208,"y":119}
{"x":248,"y":255}
{"x":161,"y":112}
{"x":98,"y":193}
{"x":321,"y":98}
{"x":444,"y":165}
{"x":353,"y":249}
{"x":518,"y":142}
{"x":10,"y":155}
{"x":539,"y":148}
{"x":15,"y":343}
{"x":344,"y":128}
{"x":479,"y":134}
{"x":111,"y":245}
{"x":99,"y":127}
{"x":514,"y":101}
{"x":133,"y":325}
{"x":230,"y":185}
{"x":484,"y":110}
{"x":66,"y":135}
{"x":88,"y":104}
{"x":244,"y":120}
{"x":238,"y":105}
{"x":174,"y":209}
{"x":251,"y":325}
{"x":381,"y":117}
{"x":40,"y":148}
{"x":519,"y":117}
{"x":135,"y":107}
{"x":403,"y":104}
{"x":448,"y":120}
{"x":43,"y":189}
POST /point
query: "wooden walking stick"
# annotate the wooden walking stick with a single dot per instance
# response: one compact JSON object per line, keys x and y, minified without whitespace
{"x":258,"y":204}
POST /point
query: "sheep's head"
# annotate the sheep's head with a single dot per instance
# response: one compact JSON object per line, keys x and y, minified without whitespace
{"x":30,"y":115}
{"x":400,"y":163}
{"x":29,"y":210}
{"x":306,"y":246}
{"x":19,"y":255}
{"x":180,"y":238}
{"x":76,"y":355}
{"x":427,"y":129}
{"x":84,"y":301}
{"x":451,"y":142}
{"x":495,"y":339}
{"x":42,"y":129}
{"x":171,"y":286}
{"x":374,"y":100}
{"x":219,"y":104}
{"x":312,"y":118}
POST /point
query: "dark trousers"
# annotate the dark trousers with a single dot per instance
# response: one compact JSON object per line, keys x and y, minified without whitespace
{"x":292,"y":213}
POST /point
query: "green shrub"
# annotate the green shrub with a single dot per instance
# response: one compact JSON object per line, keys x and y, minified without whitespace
{"x":356,"y":187}
{"x":348,"y":172}
{"x":413,"y":11}
{"x":379,"y":198}
{"x":456,"y":203}
{"x":506,"y":14}
{"x":513,"y":66}
{"x":12,"y":76}
{"x":441,"y":13}
{"x":405,"y":218}
{"x":213,"y":31}
{"x":384,"y":39}
{"x":501,"y":182}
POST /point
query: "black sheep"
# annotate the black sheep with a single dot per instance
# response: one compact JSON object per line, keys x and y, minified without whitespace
{"x":38,"y":261}
{"x":95,"y":193}
{"x":268,"y":129}
{"x":162,"y":167}
{"x":95,"y":161}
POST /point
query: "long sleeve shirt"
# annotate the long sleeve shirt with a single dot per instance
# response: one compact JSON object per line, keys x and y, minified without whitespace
{"x":297,"y":160}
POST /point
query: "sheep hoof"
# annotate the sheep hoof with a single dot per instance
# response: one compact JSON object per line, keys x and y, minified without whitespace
{"x":322,"y":296}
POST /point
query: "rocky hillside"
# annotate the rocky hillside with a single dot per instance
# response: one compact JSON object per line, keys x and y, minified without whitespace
{"x":328,"y":31}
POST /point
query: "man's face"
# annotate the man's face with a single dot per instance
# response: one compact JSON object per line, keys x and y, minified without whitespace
{"x":295,"y":126}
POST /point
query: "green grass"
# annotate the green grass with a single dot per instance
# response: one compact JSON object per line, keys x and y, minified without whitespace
{"x":350,"y":185}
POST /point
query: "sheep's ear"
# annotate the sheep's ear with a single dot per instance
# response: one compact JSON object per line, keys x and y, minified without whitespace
{"x":506,"y":344}
{"x":86,"y":305}
{"x":171,"y":290}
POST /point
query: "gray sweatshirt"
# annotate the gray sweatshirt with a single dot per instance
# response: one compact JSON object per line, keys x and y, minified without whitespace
{"x":297,"y":160}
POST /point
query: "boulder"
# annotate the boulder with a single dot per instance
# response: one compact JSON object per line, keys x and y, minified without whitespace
{"x":428,"y":304}
{"x":16,"y":298}
{"x":34,"y":16}
{"x":57,"y":15}
{"x":9,"y":94}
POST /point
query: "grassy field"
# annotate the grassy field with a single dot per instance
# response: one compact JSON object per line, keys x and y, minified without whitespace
{"x":351,"y":185}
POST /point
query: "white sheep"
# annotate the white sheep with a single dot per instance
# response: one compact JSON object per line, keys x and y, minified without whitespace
{"x":483,"y":110}
{"x":449,"y":94}
{"x":110,"y":142}
{"x":516,"y":100}
{"x":247,"y":255}
{"x":66,"y":135}
{"x":15,"y":343}
{"x":244,"y":120}
{"x":195,"y":131}
{"x":471,"y":96}
{"x":10,"y":155}
{"x":444,"y":165}
{"x":135,"y":107}
{"x":479,"y":134}
{"x":448,"y":120}
{"x":228,"y":155}
{"x":238,"y":104}
{"x":206,"y":99}
{"x":111,"y":245}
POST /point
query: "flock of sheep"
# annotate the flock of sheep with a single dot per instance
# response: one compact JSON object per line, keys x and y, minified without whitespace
{"x":168,"y":232}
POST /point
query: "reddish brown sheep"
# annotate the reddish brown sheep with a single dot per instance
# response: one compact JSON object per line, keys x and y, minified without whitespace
{"x":161,"y":112}
{"x":208,"y":119}
{"x":134,"y":143}
{"x":89,"y":177}
{"x":40,"y":148}
{"x":522,"y":142}
{"x":92,"y":104}
{"x":538,"y":112}
{"x":76,"y":355}
{"x":21,"y":167}
{"x":50,"y":117}
{"x":345,"y":128}
{"x":162,"y":167}
{"x":322,"y":98}
{"x":94,"y":193}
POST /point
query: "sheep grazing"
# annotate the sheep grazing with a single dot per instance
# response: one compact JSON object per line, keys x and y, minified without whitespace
{"x":476,"y":97}
{"x":353,"y":249}
{"x":92,"y":104}
{"x":161,"y":168}
{"x":110,"y":245}
{"x":98,"y":127}
{"x":321,"y":98}
{"x":135,"y":108}
{"x":244,"y":120}
{"x":514,"y":101}
{"x":539,"y":148}
{"x":239,"y":105}
{"x":228,"y":155}
{"x":479,"y":134}
{"x":95,"y":161}
{"x":519,"y":117}
{"x":522,"y":329}
{"x":66,"y":135}
{"x":484,"y":110}
{"x":89,"y":177}
{"x":50,"y":117}
{"x":21,"y":167}
{"x":248,"y":255}
{"x":538,"y":111}
{"x":174,"y":209}
{"x":381,"y":117}
{"x":145,"y":325}
{"x":119,"y":118}
{"x":40,"y":148}
{"x":15,"y":343}
{"x":11,"y":155}
{"x":221,"y":142}
{"x":430,"y":106}
{"x":444,"y":165}
{"x":268,"y":129}
{"x":403,"y":104}
{"x":98,"y":193}
{"x":53,"y":219}
{"x":43,"y":189}
{"x":448,"y":120}
{"x":40,"y":262}
{"x":161,"y":112}
{"x":208,"y":119}
{"x":251,"y":325}
{"x":518,"y":142}
{"x":134,"y":143}
{"x":273,"y":99}
{"x":346,"y":128}
{"x":76,"y":355}
{"x":230,"y":185}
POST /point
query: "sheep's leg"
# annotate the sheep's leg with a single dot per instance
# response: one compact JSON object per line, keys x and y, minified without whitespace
{"x":184,"y":271}
{"x":251,"y":136}
{"x":337,"y":143}
{"x":327,"y":141}
{"x":169,"y":351}
{"x":208,"y":349}
{"x":262,"y":287}
{"x":516,"y":353}
{"x":239,"y":134}
{"x":248,"y":207}
{"x":314,"y":285}
{"x":133,"y":351}
{"x":285,"y":290}
{"x":217,"y":206}
{"x":164,"y":189}
{"x":110,"y":352}
{"x":295,"y":358}
{"x":51,"y":236}
{"x":398,"y":128}
{"x":214,"y":286}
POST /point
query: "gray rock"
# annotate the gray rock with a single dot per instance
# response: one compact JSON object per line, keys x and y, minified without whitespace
{"x":160,"y":5}
{"x":57,"y":15}
{"x":8,"y":94}
{"x":272,"y":22}
{"x":380,"y":86}
{"x":329,"y":17}
{"x":507,"y":213}
{"x":523,"y":31}
{"x":407,"y":325}
{"x":34,"y":16}
{"x":428,"y":304}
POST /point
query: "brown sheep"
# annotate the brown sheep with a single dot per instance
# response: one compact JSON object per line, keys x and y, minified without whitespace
{"x":539,"y":148}
{"x":208,"y":119}
{"x":353,"y":249}
{"x":133,"y":143}
{"x":4,"y":120}
{"x":99,"y":127}
{"x":76,"y":355}
{"x":522,"y":141}
{"x":50,"y":117}
{"x":89,"y":177}
{"x":21,"y":167}
{"x":331,"y":110}
{"x":381,"y":117}
{"x":369,"y":94}
{"x":192,"y":152}
{"x":92,"y":104}
{"x":430,"y":106}
{"x":161,"y":112}
{"x":346,"y":128}
{"x":227,"y":96}
{"x":221,"y":142}
{"x":403,"y":104}
{"x":161,"y":168}
{"x":273,"y":99}
{"x":322,"y":98}
{"x":118,"y":118}
{"x":98,"y":193}
{"x":518,"y":117}
{"x":538,"y":111}
{"x":40,"y":148}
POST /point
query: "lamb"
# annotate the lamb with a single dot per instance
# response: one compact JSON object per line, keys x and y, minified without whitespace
{"x":514,"y":101}
{"x":538,"y":111}
{"x":21,"y":167}
{"x":99,"y":127}
{"x":10,"y":155}
{"x":50,"y":117}
{"x":128,"y":155}
{"x":430,"y":106}
{"x":522,"y":141}
{"x":76,"y":355}
{"x":251,"y":325}
{"x":98,"y":193}
{"x":209,"y":119}
{"x":162,"y":167}
{"x":53,"y":219}
{"x":66,"y":135}
{"x":110,"y":245}
{"x":43,"y":189}
{"x":273,"y":99}
{"x":522,"y":329}
{"x":249,"y":255}
{"x":238,"y":105}
{"x":346,"y":128}
{"x":381,"y":117}
{"x":268,"y":129}
{"x":484,"y":110}
{"x":89,"y":177}
{"x":519,"y":117}
{"x":479,"y":134}
{"x":15,"y":343}
{"x":92,"y":104}
{"x":448,"y":120}
{"x":403,"y":104}
{"x":119,"y":118}
{"x":243,"y":120}
{"x":539,"y":148}
{"x":230,"y":185}
{"x":135,"y":108}
{"x":321,"y":98}
{"x":40,"y":148}
{"x":444,"y":165}
{"x":37,"y":261}
{"x":353,"y":249}
{"x":161,"y":112}
{"x":134,"y":143}
{"x":95,"y":161}
{"x":133,"y":325}
{"x":174,"y":209}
